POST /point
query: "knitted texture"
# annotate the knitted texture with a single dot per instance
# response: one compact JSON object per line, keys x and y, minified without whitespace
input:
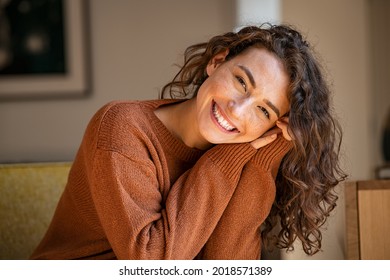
{"x":137,"y":192}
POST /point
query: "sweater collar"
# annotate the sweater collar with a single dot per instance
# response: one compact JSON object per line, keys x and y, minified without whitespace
{"x":171,"y":143}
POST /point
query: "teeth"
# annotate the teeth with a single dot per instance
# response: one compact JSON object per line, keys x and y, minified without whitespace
{"x":221,"y":120}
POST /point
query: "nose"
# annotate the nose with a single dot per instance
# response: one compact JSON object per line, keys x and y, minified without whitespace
{"x":239,"y":108}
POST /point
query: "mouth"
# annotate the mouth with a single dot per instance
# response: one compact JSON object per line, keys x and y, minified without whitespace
{"x":222,"y":121}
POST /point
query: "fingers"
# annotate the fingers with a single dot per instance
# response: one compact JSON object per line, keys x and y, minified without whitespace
{"x":283,"y":125}
{"x":271,"y":135}
{"x":263,"y":141}
{"x":274,"y":130}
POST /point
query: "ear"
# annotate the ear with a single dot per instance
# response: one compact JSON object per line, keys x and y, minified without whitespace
{"x":216,"y":61}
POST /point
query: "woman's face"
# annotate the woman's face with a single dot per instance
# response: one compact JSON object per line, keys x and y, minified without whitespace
{"x":242,"y":98}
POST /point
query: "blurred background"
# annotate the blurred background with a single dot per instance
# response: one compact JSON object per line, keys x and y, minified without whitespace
{"x":130,"y":48}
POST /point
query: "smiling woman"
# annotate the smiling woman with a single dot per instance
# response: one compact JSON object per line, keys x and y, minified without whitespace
{"x":247,"y":92}
{"x":251,"y":141}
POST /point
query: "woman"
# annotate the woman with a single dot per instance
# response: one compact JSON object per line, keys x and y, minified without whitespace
{"x":209,"y":174}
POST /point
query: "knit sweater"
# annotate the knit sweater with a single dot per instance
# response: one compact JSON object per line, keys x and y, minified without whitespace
{"x":135,"y":191}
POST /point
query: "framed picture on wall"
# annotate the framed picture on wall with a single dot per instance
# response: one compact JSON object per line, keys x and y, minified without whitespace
{"x":43,"y":48}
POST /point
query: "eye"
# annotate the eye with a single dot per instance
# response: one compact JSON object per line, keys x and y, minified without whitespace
{"x":242,"y":82}
{"x":265,"y":112}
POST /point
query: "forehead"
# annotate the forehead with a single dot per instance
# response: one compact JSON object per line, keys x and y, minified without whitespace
{"x":260,"y":57}
{"x":263,"y":64}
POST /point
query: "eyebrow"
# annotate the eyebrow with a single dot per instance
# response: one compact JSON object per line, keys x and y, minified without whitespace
{"x":273,"y":107}
{"x":249,"y":74}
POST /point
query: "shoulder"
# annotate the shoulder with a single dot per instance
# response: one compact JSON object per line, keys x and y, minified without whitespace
{"x":117,"y":113}
{"x":120,"y":124}
{"x":112,"y":116}
{"x":124,"y":114}
{"x":118,"y":118}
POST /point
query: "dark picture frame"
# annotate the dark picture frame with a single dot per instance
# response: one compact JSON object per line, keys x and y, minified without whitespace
{"x":43,"y":49}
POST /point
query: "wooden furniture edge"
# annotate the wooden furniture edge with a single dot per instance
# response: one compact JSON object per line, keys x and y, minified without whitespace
{"x":352,"y":221}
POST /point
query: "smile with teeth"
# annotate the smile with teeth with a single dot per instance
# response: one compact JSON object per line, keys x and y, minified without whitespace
{"x":221,"y":120}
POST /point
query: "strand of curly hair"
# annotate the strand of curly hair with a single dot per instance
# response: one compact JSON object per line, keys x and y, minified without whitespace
{"x":308,"y":174}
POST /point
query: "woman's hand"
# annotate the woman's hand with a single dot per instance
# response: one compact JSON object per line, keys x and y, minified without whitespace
{"x":282,"y":123}
{"x":271,"y":135}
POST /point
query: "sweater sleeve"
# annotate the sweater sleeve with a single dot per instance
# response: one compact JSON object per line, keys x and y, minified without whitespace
{"x":137,"y":223}
{"x":237,"y":235}
{"x":137,"y":220}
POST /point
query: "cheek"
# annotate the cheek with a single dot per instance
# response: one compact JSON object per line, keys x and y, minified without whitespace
{"x":217,"y":86}
{"x":206,"y":90}
{"x":257,"y":128}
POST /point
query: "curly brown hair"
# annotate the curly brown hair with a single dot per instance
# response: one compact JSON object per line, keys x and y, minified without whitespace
{"x":308,"y":174}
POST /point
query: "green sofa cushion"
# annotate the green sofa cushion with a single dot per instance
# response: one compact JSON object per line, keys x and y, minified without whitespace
{"x":28,"y":197}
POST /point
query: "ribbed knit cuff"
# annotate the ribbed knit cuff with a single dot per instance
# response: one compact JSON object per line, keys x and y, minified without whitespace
{"x":231,"y":157}
{"x":274,"y":152}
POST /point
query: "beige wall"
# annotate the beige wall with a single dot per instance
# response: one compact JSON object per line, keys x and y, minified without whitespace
{"x":380,"y":74}
{"x":134,"y":45}
{"x":339,"y":29}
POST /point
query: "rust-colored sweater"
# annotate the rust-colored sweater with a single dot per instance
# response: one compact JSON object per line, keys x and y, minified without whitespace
{"x":137,"y":192}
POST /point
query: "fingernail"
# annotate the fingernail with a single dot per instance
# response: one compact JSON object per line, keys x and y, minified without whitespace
{"x":273,"y":136}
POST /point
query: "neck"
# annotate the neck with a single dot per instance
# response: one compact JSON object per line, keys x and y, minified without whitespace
{"x":181,"y":120}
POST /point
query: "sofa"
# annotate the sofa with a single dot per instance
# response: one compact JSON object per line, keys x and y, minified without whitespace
{"x":29,"y":194}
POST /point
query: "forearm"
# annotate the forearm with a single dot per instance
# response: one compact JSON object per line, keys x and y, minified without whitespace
{"x":237,"y":235}
{"x":144,"y":226}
